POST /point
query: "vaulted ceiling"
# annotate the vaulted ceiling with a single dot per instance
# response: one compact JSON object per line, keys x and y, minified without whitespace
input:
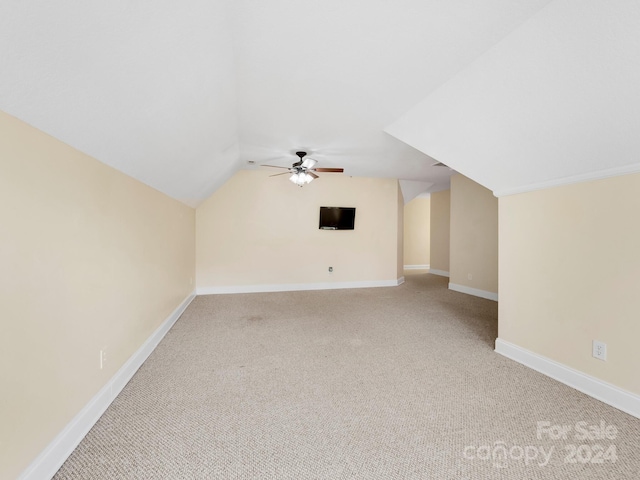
{"x":180,"y":95}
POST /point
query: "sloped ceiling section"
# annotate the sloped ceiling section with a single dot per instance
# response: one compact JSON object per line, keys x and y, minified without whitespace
{"x":147,"y":87}
{"x":556,"y":101}
{"x":328,"y":76}
{"x":180,"y":95}
{"x":412,"y":189}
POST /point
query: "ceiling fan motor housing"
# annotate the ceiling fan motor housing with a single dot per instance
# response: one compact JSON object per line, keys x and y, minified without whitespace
{"x":301,"y":155}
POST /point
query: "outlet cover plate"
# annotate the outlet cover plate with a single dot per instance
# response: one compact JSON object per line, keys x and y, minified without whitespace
{"x":599,"y":350}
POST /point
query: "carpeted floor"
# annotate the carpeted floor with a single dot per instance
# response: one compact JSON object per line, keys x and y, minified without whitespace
{"x":380,"y":383}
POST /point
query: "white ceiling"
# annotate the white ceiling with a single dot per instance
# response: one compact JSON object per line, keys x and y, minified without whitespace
{"x":330,"y":75}
{"x":557,"y":101}
{"x":182,"y":94}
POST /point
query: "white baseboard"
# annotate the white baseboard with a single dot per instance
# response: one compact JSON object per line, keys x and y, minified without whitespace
{"x":54,"y":455}
{"x":416,"y":267}
{"x":294,"y":287}
{"x":442,"y":273}
{"x":473,"y":291}
{"x":605,"y":392}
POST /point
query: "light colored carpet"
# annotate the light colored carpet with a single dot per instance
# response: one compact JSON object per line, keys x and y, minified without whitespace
{"x":381,"y":383}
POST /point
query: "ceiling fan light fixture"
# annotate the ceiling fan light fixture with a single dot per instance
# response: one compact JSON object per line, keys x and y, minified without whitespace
{"x":301,"y":178}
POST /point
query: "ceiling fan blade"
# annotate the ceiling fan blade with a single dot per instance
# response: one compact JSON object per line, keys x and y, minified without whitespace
{"x":277,"y":174}
{"x":274,"y":166}
{"x":312,"y":174}
{"x":309,"y":163}
{"x":329,"y":170}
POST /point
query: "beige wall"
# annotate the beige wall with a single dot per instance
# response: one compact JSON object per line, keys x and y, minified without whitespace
{"x":89,"y":258}
{"x":569,"y":264}
{"x":440,"y":230}
{"x":474,"y":235}
{"x":257,"y":230}
{"x":417,"y":225}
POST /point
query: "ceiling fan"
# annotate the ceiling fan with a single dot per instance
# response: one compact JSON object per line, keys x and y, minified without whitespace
{"x":303,"y":171}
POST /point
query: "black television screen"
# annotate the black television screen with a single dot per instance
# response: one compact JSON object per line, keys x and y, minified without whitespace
{"x":337,"y":218}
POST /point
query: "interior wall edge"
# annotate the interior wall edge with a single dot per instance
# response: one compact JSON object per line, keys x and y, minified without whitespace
{"x":559,"y":182}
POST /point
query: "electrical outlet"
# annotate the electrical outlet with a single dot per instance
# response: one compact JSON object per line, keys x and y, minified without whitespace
{"x":103,"y":357}
{"x":599,"y":350}
{"x":469,"y":276}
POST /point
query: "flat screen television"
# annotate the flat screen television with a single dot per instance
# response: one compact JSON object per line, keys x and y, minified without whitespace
{"x":337,"y":218}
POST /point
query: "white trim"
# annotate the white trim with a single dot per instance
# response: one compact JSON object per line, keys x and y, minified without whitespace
{"x":584,"y":177}
{"x":416,"y":267}
{"x":294,"y":287}
{"x":54,"y":455}
{"x":605,"y":392}
{"x":442,"y":273}
{"x":473,"y":291}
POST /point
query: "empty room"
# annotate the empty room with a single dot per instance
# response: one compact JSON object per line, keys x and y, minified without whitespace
{"x":298,"y":239}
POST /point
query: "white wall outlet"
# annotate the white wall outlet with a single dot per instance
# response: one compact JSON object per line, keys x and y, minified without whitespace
{"x":103,"y":357}
{"x":469,"y":276}
{"x":599,"y":350}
